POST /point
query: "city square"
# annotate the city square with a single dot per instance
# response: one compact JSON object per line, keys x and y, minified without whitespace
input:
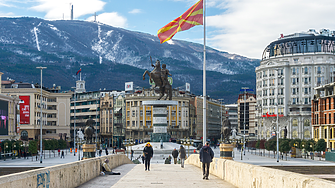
{"x":198,"y":93}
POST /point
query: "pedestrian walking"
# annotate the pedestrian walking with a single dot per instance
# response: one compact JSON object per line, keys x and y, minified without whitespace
{"x":100,"y":152}
{"x":106,"y":151}
{"x":206,"y":156}
{"x":175,"y":155}
{"x":62,"y":155}
{"x":58,"y":152}
{"x":131,"y":154}
{"x":148,"y":153}
{"x":182,"y":155}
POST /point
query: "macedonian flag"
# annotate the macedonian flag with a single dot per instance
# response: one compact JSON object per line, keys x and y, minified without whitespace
{"x":192,"y":17}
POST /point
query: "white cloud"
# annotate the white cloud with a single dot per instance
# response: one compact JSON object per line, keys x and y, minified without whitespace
{"x":135,"y":11}
{"x":56,"y":9}
{"x":248,"y":26}
{"x":111,"y":18}
{"x":7,"y":14}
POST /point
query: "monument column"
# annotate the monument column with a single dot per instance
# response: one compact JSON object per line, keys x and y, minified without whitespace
{"x":159,"y":121}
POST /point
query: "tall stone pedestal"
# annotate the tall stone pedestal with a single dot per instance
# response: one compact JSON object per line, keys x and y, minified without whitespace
{"x":226,"y":151}
{"x":159,"y":119}
{"x":89,"y":151}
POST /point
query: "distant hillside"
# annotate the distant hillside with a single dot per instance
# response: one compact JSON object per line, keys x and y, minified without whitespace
{"x":110,"y":56}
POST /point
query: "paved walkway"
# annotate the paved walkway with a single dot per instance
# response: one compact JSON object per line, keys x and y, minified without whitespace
{"x":160,"y":175}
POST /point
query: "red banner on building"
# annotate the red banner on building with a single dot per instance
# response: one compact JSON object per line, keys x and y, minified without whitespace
{"x":25,"y":110}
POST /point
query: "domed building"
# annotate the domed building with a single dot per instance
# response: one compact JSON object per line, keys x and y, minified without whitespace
{"x":291,"y":68}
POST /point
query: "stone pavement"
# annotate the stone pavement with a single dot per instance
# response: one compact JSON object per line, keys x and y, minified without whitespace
{"x":108,"y":180}
{"x":160,"y":175}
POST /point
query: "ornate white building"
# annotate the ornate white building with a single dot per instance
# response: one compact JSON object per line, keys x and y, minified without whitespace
{"x":291,"y":68}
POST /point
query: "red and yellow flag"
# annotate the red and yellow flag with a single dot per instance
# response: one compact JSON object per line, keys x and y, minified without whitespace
{"x":192,"y":17}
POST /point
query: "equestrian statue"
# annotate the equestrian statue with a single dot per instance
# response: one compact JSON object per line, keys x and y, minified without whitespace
{"x":160,"y":78}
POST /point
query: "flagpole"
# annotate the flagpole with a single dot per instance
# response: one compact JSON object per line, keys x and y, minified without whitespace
{"x":204,"y":78}
{"x":80,"y":74}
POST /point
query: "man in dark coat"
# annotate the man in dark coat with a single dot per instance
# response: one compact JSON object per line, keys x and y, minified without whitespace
{"x":175,"y":155}
{"x":206,"y":156}
{"x":182,"y":153}
{"x":148,"y":153}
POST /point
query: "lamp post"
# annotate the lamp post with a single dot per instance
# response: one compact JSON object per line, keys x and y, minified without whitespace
{"x":6,"y":146}
{"x":74,"y":120}
{"x":188,"y":142}
{"x":13,"y":154}
{"x":96,"y":121}
{"x":277,"y":131}
{"x":221,"y":118}
{"x":312,"y":149}
{"x":41,"y":118}
{"x":128,"y":143}
{"x":244,"y":107}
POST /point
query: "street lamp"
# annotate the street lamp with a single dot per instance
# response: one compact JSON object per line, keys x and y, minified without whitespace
{"x":188,"y":142}
{"x":74,"y":120}
{"x":13,"y":154}
{"x":221,"y":118}
{"x":127,"y":143}
{"x":244,"y":107}
{"x":277,"y":131}
{"x":41,"y":118}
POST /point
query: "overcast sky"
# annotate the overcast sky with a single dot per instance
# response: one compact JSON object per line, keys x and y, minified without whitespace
{"x":243,"y":27}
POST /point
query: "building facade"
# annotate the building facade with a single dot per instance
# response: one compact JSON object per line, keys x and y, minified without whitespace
{"x":291,"y":68}
{"x":9,"y":124}
{"x":214,"y":115}
{"x":247,"y":114}
{"x":233,"y":115}
{"x":139,"y":117}
{"x":323,"y":114}
{"x":101,"y":108}
{"x":55,"y":110}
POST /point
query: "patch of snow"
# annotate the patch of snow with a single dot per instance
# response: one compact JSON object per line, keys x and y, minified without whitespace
{"x":53,"y":27}
{"x":36,"y":38}
{"x":170,"y":42}
{"x":109,"y":33}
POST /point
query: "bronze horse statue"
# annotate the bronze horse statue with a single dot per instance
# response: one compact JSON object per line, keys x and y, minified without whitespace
{"x":89,"y":131}
{"x":226,"y":131}
{"x":155,"y":76}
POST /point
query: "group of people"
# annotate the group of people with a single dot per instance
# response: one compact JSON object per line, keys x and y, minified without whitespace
{"x":182,"y":155}
{"x":206,"y":156}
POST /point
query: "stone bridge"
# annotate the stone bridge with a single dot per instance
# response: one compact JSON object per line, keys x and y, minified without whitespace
{"x":223,"y":173}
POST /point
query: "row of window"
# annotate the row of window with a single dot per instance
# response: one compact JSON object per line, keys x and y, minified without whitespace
{"x":148,"y":123}
{"x":294,"y":71}
{"x":295,"y":100}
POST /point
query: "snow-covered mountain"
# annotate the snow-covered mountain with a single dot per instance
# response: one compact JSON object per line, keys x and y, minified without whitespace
{"x":108,"y":53}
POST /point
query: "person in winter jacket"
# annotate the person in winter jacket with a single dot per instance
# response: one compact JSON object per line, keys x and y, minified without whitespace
{"x":148,"y":153}
{"x":175,"y":155}
{"x":182,"y":155}
{"x":206,"y":156}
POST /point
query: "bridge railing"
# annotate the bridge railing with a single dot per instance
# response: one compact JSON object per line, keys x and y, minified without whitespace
{"x":247,"y":175}
{"x":64,"y":175}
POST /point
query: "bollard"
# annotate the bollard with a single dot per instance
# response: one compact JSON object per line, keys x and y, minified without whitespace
{"x":226,"y":151}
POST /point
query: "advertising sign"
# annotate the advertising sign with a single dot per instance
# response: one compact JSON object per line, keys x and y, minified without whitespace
{"x":128,"y":86}
{"x":188,"y":87}
{"x":25,"y":110}
{"x":3,"y":118}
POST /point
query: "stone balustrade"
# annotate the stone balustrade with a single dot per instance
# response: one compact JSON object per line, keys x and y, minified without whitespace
{"x":64,"y":175}
{"x":245,"y":175}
